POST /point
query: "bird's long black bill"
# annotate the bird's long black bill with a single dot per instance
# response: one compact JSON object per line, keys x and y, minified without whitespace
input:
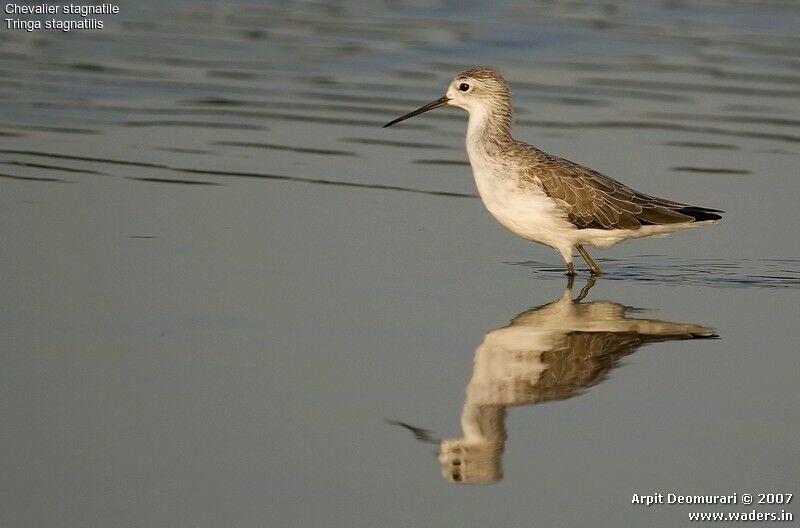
{"x":430,"y":106}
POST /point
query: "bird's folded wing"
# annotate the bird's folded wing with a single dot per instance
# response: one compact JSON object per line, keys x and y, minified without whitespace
{"x":592,"y":200}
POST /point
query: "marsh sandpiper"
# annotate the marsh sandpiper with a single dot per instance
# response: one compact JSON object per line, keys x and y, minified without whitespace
{"x":545,"y":198}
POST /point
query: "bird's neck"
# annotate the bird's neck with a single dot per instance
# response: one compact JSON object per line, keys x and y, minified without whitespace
{"x":488,"y":129}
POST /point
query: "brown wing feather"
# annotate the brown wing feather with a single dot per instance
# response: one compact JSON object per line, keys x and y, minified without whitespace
{"x":592,"y":200}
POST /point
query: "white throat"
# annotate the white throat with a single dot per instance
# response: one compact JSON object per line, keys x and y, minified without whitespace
{"x":478,"y":118}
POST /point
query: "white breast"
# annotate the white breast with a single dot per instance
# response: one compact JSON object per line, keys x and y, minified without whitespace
{"x":526,"y":211}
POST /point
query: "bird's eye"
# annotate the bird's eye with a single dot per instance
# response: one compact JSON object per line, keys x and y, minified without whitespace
{"x":463,"y":87}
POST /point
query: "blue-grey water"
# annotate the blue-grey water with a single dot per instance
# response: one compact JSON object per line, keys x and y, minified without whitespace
{"x":222,"y":280}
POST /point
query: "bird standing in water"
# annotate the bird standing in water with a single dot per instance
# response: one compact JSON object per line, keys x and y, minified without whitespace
{"x":545,"y":198}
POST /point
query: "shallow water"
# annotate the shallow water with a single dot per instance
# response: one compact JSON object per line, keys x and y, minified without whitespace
{"x":222,"y":277}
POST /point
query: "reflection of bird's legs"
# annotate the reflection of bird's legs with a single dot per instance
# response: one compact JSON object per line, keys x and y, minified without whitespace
{"x":595,"y":269}
{"x":570,"y":282}
{"x":585,"y":290}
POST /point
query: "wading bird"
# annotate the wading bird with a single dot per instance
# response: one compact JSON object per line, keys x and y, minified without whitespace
{"x":545,"y":198}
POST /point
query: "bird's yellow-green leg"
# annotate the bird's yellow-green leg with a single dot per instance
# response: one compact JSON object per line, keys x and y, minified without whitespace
{"x":595,"y":269}
{"x":570,"y":270}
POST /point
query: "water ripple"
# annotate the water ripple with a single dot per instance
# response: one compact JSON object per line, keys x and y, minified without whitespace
{"x":715,"y":272}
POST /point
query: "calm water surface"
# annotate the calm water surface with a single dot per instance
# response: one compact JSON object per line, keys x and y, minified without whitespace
{"x":231,"y":299}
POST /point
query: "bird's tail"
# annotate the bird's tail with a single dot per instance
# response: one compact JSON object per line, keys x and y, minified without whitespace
{"x":701,"y":214}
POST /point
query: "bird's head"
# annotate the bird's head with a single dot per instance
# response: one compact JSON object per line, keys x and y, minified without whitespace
{"x":478,"y":90}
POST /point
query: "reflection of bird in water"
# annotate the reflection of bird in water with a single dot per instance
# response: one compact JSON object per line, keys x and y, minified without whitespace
{"x":552,"y":352}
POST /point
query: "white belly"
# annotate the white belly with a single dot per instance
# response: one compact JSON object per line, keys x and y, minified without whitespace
{"x":527,"y":212}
